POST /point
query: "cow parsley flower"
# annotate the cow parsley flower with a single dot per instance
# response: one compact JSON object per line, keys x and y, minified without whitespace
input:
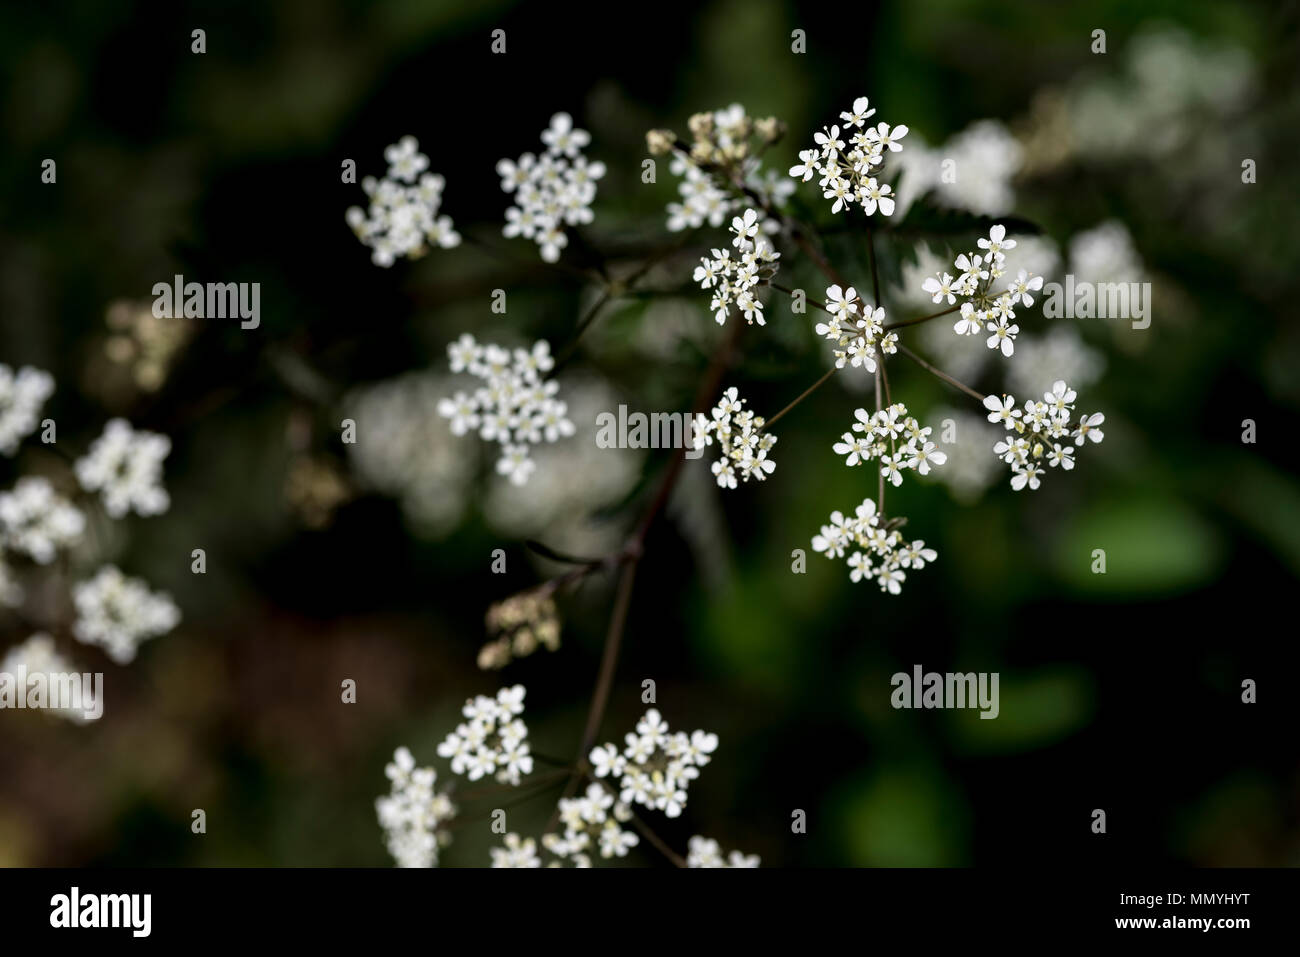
{"x":403,"y":216}
{"x":722,"y":156}
{"x":413,"y":814}
{"x":516,"y":406}
{"x":39,"y":657}
{"x":849,"y":160}
{"x":983,"y":310}
{"x":877,"y":550}
{"x":656,"y":767}
{"x":742,"y":442}
{"x":21,"y":396}
{"x":592,"y":823}
{"x":734,"y":279}
{"x":125,"y":467}
{"x":492,"y":739}
{"x":36,"y":521}
{"x":518,"y":852}
{"x":705,"y":852}
{"x":119,"y":613}
{"x":553,"y":190}
{"x":893,"y":437}
{"x":855,"y":329}
{"x":1042,"y":433}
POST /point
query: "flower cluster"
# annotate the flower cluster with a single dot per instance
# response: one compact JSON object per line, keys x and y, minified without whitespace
{"x":592,"y":822}
{"x":857,"y":338}
{"x":21,"y":396}
{"x":493,"y":739}
{"x":412,"y":814}
{"x":733,"y":280}
{"x":119,"y":613}
{"x":36,"y":521}
{"x":39,"y":657}
{"x":883,"y":555}
{"x":518,"y":852}
{"x":705,"y":852}
{"x":403,"y":217}
{"x":552,"y":191}
{"x":1042,"y":433}
{"x":848,"y":169}
{"x":516,"y":406}
{"x":724,"y":152}
{"x":893,"y":437}
{"x":125,"y":467}
{"x":741,"y":440}
{"x":656,"y":767}
{"x":983,"y":309}
{"x":520,"y":623}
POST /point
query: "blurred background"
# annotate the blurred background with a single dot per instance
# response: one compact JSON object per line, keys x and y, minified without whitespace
{"x":373,"y":562}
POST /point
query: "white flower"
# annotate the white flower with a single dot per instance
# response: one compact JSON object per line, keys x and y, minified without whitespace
{"x":882,"y":552}
{"x":657,"y":765}
{"x":849,"y":169}
{"x":21,"y":398}
{"x":742,"y":442}
{"x":493,"y":740}
{"x":413,"y":814}
{"x":1004,"y":335}
{"x":516,"y":406}
{"x":125,"y":467}
{"x":402,"y":219}
{"x":1089,"y":428}
{"x":562,"y":139}
{"x":1041,"y":433}
{"x":553,"y":191}
{"x":724,"y":154}
{"x":734,"y":279}
{"x":36,"y":521}
{"x":405,"y":161}
{"x":986,"y":308}
{"x":517,"y":853}
{"x":119,"y":613}
{"x":895,"y":438}
{"x":940,"y":288}
{"x":859,"y":114}
{"x":705,"y":852}
{"x":39,"y":657}
{"x":591,"y":820}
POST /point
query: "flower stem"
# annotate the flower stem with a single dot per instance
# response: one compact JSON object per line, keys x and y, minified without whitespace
{"x":803,"y":395}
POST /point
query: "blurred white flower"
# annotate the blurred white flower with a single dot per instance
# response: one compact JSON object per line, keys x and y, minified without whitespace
{"x":403,"y":218}
{"x":705,"y":852}
{"x":39,"y":657}
{"x":119,"y":613}
{"x":405,"y":448}
{"x":125,"y":467}
{"x":1061,"y":353}
{"x":36,"y":521}
{"x":21,"y":396}
{"x":413,"y":814}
